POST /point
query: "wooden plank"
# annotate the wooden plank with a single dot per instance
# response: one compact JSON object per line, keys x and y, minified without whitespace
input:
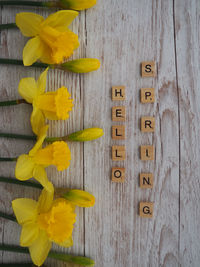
{"x":16,"y":120}
{"x":122,"y":36}
{"x":188,"y":68}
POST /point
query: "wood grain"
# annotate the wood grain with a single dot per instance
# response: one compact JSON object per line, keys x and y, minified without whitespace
{"x":187,"y":49}
{"x":121,"y":35}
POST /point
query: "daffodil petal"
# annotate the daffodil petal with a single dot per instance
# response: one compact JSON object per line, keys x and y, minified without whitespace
{"x":29,"y":234}
{"x":29,"y":23}
{"x":24,"y":168}
{"x":37,"y":120}
{"x":40,"y":248}
{"x":42,"y":135}
{"x":60,"y":20}
{"x":67,"y":243}
{"x":28,"y":89}
{"x":40,"y":175}
{"x":45,"y":200}
{"x":50,"y":115}
{"x":41,"y":83}
{"x":25,"y":209}
{"x":32,"y":51}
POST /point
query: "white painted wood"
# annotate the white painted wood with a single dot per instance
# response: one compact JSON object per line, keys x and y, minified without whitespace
{"x":128,"y":34}
{"x":121,"y":34}
{"x":188,"y":44}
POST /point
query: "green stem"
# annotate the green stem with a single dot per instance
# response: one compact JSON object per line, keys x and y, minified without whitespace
{"x":13,"y":248}
{"x":84,"y":261}
{"x":24,"y":183}
{"x":8,"y":26}
{"x":17,"y":265}
{"x":13,"y":102}
{"x":8,"y":217}
{"x":19,"y":136}
{"x":20,"y":63}
{"x":21,"y":3}
{"x":8,"y":159}
{"x":53,"y":139}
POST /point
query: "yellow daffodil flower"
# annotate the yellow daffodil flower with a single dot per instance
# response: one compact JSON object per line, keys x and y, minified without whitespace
{"x":52,"y":40}
{"x":34,"y":164}
{"x":52,"y":105}
{"x":77,"y":4}
{"x":47,"y":221}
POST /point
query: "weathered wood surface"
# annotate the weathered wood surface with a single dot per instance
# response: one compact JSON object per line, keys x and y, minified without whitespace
{"x":122,"y":34}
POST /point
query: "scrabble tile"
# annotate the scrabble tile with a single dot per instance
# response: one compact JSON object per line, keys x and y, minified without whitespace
{"x":118,"y":93}
{"x":147,"y":152}
{"x":147,"y":95}
{"x":118,"y":132}
{"x":149,"y":69}
{"x":119,"y":113}
{"x":148,"y":124}
{"x":146,"y":180}
{"x":118,"y":174}
{"x":146,"y":209}
{"x":118,"y":153}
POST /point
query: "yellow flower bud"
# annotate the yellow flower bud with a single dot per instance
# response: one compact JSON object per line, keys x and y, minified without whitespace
{"x":80,"y":198}
{"x":82,"y":65}
{"x":77,"y":4}
{"x":85,"y":135}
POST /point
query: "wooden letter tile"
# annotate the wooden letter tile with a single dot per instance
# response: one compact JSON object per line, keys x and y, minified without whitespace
{"x":147,"y":152}
{"x":146,"y":209}
{"x":149,"y":69}
{"x":146,"y":180}
{"x":118,"y":153}
{"x":147,"y":95}
{"x":118,"y":174}
{"x":119,"y":113}
{"x":118,"y":93}
{"x":118,"y":132}
{"x":148,"y":124}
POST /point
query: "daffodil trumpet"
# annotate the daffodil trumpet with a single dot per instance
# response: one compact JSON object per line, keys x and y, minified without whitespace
{"x":85,"y":135}
{"x":64,"y":4}
{"x":82,"y":261}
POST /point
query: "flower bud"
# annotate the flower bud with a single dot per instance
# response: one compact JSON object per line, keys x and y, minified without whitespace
{"x":82,"y":65}
{"x":77,"y":4}
{"x":85,"y":135}
{"x":80,"y":198}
